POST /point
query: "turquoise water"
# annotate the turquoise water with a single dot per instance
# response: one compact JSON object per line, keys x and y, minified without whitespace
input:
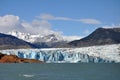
{"x":80,"y":71}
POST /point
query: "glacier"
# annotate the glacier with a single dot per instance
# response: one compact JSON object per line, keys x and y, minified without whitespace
{"x":93,"y":54}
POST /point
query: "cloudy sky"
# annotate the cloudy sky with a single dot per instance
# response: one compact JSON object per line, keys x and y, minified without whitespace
{"x":67,"y":17}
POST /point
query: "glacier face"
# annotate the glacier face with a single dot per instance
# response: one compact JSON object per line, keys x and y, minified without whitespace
{"x":94,"y":54}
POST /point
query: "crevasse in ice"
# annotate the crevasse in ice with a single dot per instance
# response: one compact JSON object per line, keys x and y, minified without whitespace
{"x":94,"y":54}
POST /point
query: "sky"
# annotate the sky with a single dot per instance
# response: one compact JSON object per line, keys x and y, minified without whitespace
{"x":75,"y":18}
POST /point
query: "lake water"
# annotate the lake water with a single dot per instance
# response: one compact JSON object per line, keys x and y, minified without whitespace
{"x":68,"y":71}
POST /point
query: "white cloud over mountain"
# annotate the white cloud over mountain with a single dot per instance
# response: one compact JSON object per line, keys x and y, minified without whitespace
{"x":112,"y":26}
{"x":71,"y":38}
{"x":51,"y":17}
{"x":10,"y":22}
{"x":43,"y":27}
{"x":38,"y":27}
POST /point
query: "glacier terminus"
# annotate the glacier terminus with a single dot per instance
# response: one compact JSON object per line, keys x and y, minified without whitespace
{"x":93,"y":54}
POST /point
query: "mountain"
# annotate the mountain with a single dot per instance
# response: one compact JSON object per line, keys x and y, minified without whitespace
{"x":11,"y":42}
{"x":37,"y":37}
{"x":41,"y":41}
{"x":100,"y":36}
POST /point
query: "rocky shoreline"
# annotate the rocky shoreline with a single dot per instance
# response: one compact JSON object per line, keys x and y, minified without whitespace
{"x":15,"y":59}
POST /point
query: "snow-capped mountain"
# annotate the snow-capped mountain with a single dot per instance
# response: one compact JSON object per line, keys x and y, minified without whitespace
{"x":37,"y":38}
{"x":94,"y":54}
{"x":100,"y":36}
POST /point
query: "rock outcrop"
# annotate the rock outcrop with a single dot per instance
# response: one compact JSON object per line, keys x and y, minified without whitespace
{"x":14,"y":59}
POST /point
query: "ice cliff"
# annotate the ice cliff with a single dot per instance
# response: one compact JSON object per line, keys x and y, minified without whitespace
{"x":94,"y":54}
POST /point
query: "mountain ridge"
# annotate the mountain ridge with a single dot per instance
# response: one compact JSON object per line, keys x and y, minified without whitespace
{"x":41,"y":41}
{"x":100,"y":36}
{"x":11,"y":42}
{"x":37,"y":37}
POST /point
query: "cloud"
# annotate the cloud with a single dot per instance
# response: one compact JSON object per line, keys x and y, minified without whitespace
{"x":71,"y":38}
{"x":112,"y":26}
{"x":90,"y":21}
{"x":12,"y":22}
{"x":43,"y":27}
{"x":51,"y":17}
{"x":46,"y":17}
{"x":41,"y":23}
{"x":9,"y":22}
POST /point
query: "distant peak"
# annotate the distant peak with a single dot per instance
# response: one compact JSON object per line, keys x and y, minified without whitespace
{"x":101,"y":36}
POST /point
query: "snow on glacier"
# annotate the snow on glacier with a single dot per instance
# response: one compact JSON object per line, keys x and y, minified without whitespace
{"x":96,"y":54}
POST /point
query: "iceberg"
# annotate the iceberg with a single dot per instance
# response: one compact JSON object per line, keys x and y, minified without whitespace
{"x":93,"y":54}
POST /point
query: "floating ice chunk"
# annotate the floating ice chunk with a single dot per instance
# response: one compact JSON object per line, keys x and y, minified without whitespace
{"x":28,"y":75}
